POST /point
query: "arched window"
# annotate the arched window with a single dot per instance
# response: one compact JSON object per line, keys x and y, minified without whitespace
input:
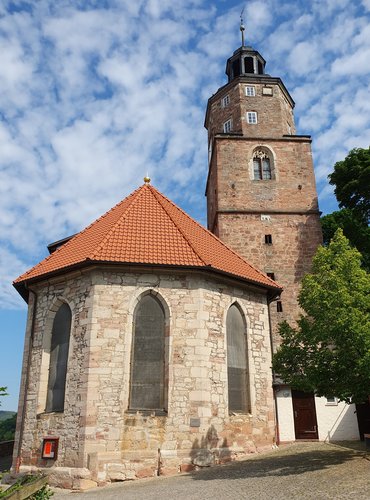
{"x":58,"y":359}
{"x":237,"y":364}
{"x":261,"y":165}
{"x":147,"y":385}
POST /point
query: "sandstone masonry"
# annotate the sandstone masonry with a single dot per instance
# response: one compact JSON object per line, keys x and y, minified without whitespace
{"x":242,"y":210}
{"x":98,"y":439}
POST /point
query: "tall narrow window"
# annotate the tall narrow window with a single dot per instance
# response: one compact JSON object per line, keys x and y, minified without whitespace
{"x":58,"y":359}
{"x":248,"y":65}
{"x":147,"y":389}
{"x":237,"y":365}
{"x":228,"y":126}
{"x":261,"y":166}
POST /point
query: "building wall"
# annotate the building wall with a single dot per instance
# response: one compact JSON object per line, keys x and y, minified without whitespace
{"x":274,"y":112}
{"x":99,"y":440}
{"x":336,"y":422}
{"x":241,"y":211}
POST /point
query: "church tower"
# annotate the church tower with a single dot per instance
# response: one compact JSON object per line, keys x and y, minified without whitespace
{"x":261,"y":192}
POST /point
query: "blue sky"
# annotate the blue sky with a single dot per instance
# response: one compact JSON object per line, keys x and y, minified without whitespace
{"x":94,"y":94}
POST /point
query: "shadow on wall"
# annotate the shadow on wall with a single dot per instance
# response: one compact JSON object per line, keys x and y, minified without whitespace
{"x":345,"y":421}
{"x":209,"y":451}
{"x":291,"y":463}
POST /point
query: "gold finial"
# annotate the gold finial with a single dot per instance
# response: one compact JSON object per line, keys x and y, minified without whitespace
{"x":147,"y":179}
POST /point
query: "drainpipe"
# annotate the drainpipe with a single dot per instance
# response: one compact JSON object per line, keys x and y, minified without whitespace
{"x":276,"y":414}
{"x":26,"y":382}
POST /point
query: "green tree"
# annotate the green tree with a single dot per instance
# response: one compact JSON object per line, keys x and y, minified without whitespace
{"x":354,"y":228}
{"x":329,"y":350}
{"x":3,"y":392}
{"x":7,"y":428}
{"x":351,"y":178}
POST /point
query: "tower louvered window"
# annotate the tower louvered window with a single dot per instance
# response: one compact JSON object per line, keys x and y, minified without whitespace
{"x":58,"y":359}
{"x":237,"y":364}
{"x":261,"y":166}
{"x":147,"y":387}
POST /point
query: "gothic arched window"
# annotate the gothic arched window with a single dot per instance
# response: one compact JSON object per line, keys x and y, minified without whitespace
{"x":261,"y":165}
{"x":237,"y":364}
{"x":147,"y":384}
{"x":58,"y":359}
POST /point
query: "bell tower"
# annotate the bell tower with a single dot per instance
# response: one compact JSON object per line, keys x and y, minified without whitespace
{"x":261,"y":192}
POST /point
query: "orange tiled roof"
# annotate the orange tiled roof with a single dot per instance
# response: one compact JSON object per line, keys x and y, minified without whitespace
{"x":147,"y":228}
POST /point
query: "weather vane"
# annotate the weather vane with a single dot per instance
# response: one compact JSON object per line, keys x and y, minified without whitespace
{"x":242,"y":27}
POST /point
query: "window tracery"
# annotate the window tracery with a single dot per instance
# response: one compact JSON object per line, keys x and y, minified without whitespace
{"x":261,"y":165}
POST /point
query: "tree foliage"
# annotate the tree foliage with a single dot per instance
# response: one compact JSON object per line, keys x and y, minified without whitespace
{"x":7,"y":428}
{"x":3,"y":392}
{"x":354,"y":228}
{"x":329,"y":350}
{"x":351,"y":178}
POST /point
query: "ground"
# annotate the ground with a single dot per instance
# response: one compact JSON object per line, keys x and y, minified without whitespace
{"x":299,"y":471}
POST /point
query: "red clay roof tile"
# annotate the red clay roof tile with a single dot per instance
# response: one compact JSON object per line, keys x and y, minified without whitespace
{"x":147,"y":228}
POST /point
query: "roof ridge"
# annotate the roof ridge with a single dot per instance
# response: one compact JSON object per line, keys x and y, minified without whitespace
{"x":213,"y":236}
{"x":183,"y":234}
{"x":69,"y":242}
{"x":111,"y":230}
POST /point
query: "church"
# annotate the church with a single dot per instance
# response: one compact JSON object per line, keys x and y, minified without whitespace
{"x":149,"y":338}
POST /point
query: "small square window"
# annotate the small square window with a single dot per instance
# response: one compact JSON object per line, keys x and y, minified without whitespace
{"x":279,"y":306}
{"x":271,"y":275}
{"x":252,"y":117}
{"x":225,"y":101}
{"x":228,"y":126}
{"x":331,"y":401}
{"x":250,"y":91}
{"x":268,"y":239}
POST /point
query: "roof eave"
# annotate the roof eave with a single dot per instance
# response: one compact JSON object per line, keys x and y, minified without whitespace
{"x":22,"y":286}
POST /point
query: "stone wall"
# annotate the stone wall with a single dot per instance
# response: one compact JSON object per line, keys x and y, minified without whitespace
{"x":295,"y":239}
{"x":242,"y":211}
{"x":274,"y":112}
{"x":98,"y":438}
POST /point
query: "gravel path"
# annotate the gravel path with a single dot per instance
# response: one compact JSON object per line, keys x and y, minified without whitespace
{"x":299,"y":471}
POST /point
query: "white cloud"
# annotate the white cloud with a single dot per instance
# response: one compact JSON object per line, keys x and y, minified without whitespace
{"x":304,"y":58}
{"x":93,"y":99}
{"x":357,"y":63}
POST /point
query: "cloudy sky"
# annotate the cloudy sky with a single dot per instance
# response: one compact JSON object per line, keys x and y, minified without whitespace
{"x":96,"y":93}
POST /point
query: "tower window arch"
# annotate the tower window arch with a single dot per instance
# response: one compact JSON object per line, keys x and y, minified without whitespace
{"x":237,"y":361}
{"x":262,"y":168}
{"x":59,"y":348}
{"x":148,"y":387}
{"x":249,"y":64}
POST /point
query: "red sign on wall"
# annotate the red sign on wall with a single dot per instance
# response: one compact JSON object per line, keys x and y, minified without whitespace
{"x":50,"y":448}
